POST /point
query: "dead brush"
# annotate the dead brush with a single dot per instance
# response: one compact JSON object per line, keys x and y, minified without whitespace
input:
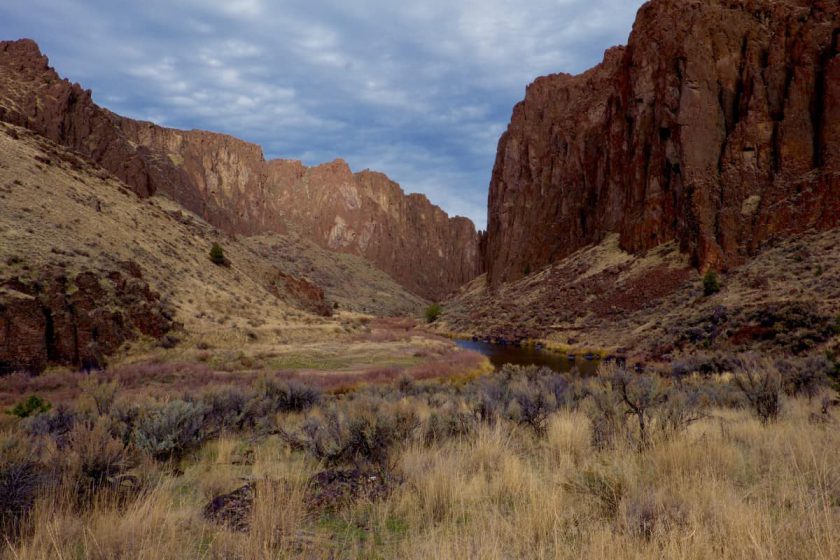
{"x":101,"y":392}
{"x":760,"y":381}
{"x":94,"y":459}
{"x":646,"y":515}
{"x":21,"y":480}
{"x":607,"y":489}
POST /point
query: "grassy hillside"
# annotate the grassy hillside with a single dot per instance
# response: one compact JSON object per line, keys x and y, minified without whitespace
{"x":59,"y":212}
{"x":653,"y":305}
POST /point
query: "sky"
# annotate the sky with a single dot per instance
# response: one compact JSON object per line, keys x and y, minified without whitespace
{"x":420,"y":90}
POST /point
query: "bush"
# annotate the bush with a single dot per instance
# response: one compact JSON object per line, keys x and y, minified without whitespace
{"x":279,"y":396}
{"x":217,"y":254}
{"x":32,"y":406}
{"x":171,"y":430}
{"x":56,"y":424}
{"x":605,"y":488}
{"x":433,"y":312}
{"x":442,"y":426}
{"x":805,"y":377}
{"x":711,"y":284}
{"x":100,"y":392}
{"x":761,"y":384}
{"x":225,"y":408}
{"x":363,"y":440}
{"x":94,"y":458}
{"x":533,"y":409}
{"x":20,"y":481}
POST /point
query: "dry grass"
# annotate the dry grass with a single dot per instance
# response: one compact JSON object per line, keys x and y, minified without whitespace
{"x":727,"y":487}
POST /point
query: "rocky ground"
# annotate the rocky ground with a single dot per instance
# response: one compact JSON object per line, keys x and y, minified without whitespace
{"x":652,"y":306}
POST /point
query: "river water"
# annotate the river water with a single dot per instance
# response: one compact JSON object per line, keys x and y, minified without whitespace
{"x":500,"y":355}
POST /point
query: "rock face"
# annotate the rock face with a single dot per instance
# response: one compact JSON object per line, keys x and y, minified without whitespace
{"x":75,"y":320}
{"x":718,"y":126}
{"x":230,"y":184}
{"x":303,"y":293}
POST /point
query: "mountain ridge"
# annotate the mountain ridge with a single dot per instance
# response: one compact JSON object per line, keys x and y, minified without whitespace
{"x":228,"y":181}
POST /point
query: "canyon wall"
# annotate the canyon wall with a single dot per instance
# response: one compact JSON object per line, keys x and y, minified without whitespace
{"x":229,"y":183}
{"x":718,"y":125}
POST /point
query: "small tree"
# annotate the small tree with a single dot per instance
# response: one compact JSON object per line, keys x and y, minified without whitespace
{"x":30,"y":407}
{"x":711,"y":284}
{"x":433,"y":312}
{"x":217,"y":254}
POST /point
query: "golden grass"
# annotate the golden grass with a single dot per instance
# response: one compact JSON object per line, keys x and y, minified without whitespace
{"x":729,"y":487}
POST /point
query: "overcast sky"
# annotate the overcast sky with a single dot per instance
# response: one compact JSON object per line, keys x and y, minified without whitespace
{"x":420,"y":90}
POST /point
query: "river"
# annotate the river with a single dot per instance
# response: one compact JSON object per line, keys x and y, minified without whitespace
{"x":501,"y":354}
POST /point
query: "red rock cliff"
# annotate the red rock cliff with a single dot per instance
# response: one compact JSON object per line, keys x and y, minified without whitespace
{"x":718,"y":125}
{"x":230,"y":184}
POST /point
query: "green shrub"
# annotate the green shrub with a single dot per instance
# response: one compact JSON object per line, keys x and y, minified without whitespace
{"x":433,"y":312}
{"x":217,"y":254}
{"x":711,"y":284}
{"x":30,"y":407}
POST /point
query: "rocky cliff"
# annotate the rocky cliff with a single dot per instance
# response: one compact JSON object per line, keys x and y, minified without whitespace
{"x":76,"y":320}
{"x":230,"y":184}
{"x":718,"y":126}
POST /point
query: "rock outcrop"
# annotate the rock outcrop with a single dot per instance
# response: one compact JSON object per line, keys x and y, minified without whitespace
{"x":76,"y":320}
{"x":230,"y":184}
{"x":718,"y":126}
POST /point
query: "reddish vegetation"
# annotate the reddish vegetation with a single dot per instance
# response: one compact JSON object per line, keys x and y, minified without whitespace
{"x":163,"y":379}
{"x":717,"y":126}
{"x":229,"y":183}
{"x":75,"y":320}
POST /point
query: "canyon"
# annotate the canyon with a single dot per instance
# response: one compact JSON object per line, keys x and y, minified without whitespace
{"x":710,"y":142}
{"x":229,"y":183}
{"x":715,"y":127}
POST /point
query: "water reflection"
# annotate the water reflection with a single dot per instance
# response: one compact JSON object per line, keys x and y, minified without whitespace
{"x":500,"y":355}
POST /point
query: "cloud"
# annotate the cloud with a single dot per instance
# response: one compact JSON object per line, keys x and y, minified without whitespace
{"x":419,"y":90}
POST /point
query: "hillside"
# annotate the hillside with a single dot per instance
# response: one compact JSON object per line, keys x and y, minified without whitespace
{"x":652,"y":307}
{"x":83,"y":259}
{"x":229,"y":184}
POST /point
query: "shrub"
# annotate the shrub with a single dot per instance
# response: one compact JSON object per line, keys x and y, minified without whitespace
{"x":362,"y":439}
{"x":445,"y":425}
{"x":225,"y":408}
{"x":805,"y":377}
{"x":761,"y":384}
{"x":433,"y":312}
{"x":534,"y":407}
{"x":171,"y":430}
{"x":21,"y":479}
{"x":56,"y":424}
{"x":646,"y":515}
{"x":278,"y":396}
{"x":217,"y":254}
{"x":607,"y":489}
{"x":95,"y":457}
{"x":711,"y":284}
{"x":641,"y":395}
{"x":100,"y":392}
{"x":32,"y":406}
